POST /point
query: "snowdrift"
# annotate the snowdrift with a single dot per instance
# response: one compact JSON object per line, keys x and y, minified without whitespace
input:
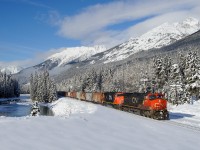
{"x":67,"y":106}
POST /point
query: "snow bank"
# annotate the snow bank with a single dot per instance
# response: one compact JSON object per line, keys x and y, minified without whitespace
{"x":187,"y":114}
{"x":93,"y":127}
{"x":186,"y":108}
{"x":67,"y":106}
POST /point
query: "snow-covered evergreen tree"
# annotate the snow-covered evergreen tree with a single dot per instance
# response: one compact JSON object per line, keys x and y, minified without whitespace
{"x":32,"y":87}
{"x":99,"y":81}
{"x":159,"y":74}
{"x":175,"y":92}
{"x":52,"y":92}
{"x":192,"y":75}
{"x":8,"y":86}
{"x":42,"y":88}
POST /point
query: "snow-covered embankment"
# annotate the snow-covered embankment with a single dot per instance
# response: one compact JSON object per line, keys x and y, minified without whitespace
{"x":66,"y":106}
{"x":186,"y":114}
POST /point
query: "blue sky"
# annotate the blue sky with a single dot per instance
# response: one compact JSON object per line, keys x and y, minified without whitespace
{"x":30,"y":30}
{"x":23,"y":31}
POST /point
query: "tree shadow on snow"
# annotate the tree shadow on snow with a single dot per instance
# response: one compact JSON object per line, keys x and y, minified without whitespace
{"x":174,"y":116}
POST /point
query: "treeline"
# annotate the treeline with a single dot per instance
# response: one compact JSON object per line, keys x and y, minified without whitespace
{"x":8,"y":87}
{"x":42,"y":88}
{"x":122,"y":78}
{"x":177,"y":77}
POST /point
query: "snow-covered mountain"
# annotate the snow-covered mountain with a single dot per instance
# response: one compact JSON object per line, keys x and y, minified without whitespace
{"x":158,"y":37}
{"x":63,"y":60}
{"x":11,"y":69}
{"x":68,"y":56}
{"x":80,"y":57}
{"x":74,"y":54}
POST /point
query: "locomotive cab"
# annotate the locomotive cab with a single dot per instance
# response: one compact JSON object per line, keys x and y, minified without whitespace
{"x":156,"y":103}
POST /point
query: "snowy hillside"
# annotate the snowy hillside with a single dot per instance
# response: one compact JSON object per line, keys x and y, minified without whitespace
{"x":80,"y":57}
{"x":58,"y":62}
{"x":11,"y":69}
{"x":68,"y":55}
{"x":85,"y":126}
{"x":158,"y":37}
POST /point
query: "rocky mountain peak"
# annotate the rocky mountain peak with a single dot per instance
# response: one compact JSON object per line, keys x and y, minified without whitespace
{"x":158,"y":37}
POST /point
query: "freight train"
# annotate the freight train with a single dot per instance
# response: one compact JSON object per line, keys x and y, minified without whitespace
{"x":152,"y":105}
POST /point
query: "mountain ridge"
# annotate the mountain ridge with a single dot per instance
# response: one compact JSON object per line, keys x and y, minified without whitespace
{"x":11,"y":69}
{"x":59,"y":62}
{"x":158,"y":37}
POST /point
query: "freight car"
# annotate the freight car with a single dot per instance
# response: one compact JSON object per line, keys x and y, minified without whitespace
{"x":151,"y":105}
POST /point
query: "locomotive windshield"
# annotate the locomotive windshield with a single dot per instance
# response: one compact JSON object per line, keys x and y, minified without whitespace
{"x":152,"y":97}
{"x":156,"y":96}
{"x":160,"y":96}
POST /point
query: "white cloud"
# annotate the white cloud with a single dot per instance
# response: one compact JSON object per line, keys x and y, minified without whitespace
{"x":91,"y":24}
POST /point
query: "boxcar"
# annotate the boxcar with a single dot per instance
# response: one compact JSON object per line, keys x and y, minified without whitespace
{"x":98,"y":97}
{"x":73,"y":94}
{"x":83,"y":96}
{"x":88,"y":96}
{"x":78,"y":95}
{"x":68,"y":94}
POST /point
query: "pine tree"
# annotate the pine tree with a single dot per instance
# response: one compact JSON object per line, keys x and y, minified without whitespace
{"x":175,"y":92}
{"x":158,"y":74}
{"x":192,"y":75}
{"x":42,"y":88}
{"x":32,"y":87}
{"x":8,"y":86}
{"x":52,"y":92}
{"x":99,"y":81}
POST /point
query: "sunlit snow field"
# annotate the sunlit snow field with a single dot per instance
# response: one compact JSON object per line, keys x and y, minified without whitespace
{"x":80,"y":125}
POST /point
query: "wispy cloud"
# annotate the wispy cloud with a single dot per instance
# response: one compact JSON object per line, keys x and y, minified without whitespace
{"x":91,"y":24}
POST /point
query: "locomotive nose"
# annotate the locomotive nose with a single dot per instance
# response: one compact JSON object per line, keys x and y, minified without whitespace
{"x":159,"y":104}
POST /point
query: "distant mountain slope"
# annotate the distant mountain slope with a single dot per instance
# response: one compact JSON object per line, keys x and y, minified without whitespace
{"x":60,"y":61}
{"x":11,"y":69}
{"x":69,"y":56}
{"x":191,"y":42}
{"x":79,"y":58}
{"x":156,"y":38}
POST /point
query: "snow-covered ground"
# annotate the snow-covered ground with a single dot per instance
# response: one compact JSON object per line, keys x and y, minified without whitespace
{"x":80,"y":125}
{"x":187,"y":114}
